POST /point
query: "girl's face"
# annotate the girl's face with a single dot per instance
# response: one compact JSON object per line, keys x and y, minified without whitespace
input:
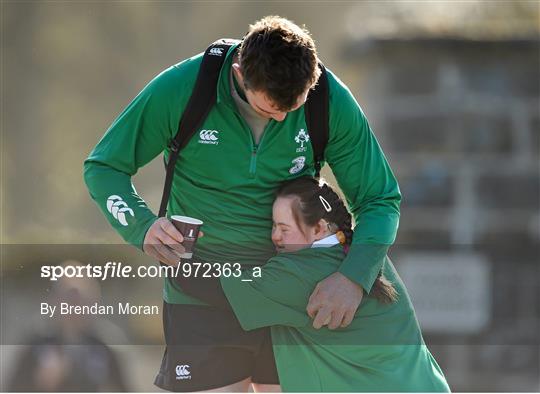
{"x":287,"y":235}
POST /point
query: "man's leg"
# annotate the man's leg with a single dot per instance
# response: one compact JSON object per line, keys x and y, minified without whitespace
{"x":239,"y":387}
{"x":266,"y":388}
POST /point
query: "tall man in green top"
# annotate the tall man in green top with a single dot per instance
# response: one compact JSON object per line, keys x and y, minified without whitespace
{"x":254,"y":138}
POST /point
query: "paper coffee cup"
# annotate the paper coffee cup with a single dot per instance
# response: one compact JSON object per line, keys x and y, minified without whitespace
{"x":189,"y":228}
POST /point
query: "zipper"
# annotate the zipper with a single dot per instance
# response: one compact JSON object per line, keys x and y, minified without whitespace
{"x":255,"y":149}
{"x":253,"y":161}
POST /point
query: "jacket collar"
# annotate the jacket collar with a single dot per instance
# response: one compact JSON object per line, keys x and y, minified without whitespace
{"x":224,"y":83}
{"x":326,"y":242}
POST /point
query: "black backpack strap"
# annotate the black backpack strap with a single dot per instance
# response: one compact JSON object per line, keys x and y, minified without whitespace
{"x":317,"y":119}
{"x":199,"y":105}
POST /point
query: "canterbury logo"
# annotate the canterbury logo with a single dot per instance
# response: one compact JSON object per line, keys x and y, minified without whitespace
{"x":216,"y":51}
{"x":118,"y":209}
{"x":182,"y":372}
{"x":209,"y":137}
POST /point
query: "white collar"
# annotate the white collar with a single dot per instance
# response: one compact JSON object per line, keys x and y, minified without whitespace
{"x":326,"y":242}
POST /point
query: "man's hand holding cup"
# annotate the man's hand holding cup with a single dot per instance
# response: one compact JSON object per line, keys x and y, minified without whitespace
{"x":170,"y":240}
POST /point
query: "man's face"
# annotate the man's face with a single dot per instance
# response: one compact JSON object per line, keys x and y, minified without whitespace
{"x":265,"y":107}
{"x":262,"y":104}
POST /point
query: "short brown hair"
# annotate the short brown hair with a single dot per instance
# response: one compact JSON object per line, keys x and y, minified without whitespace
{"x":279,"y":58}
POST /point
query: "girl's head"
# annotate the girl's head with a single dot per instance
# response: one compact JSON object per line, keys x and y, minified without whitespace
{"x":306,"y":211}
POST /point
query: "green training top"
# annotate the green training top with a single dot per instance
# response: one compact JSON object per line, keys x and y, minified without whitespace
{"x":381,"y":350}
{"x":223,"y":178}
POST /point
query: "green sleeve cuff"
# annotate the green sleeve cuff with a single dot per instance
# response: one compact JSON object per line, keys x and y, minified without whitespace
{"x":363,"y":263}
{"x":138,"y":240}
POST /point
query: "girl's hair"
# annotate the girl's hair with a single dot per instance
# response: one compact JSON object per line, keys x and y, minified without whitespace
{"x":313,"y":201}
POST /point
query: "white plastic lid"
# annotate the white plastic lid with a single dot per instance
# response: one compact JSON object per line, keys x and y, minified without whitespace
{"x":187,"y":219}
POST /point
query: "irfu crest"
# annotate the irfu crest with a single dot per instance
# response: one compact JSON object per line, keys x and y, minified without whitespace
{"x":301,"y":138}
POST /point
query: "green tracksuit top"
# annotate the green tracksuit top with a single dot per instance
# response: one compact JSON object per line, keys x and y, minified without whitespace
{"x":382,"y":350}
{"x":223,"y":178}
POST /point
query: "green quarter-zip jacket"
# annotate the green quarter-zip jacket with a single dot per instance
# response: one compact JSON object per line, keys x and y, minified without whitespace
{"x":227,"y":180}
{"x":382,"y":350}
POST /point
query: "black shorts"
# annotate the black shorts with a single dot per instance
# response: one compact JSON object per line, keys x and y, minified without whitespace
{"x":207,"y":348}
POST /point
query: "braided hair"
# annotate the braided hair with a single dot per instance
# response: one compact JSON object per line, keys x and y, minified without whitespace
{"x":316,"y":200}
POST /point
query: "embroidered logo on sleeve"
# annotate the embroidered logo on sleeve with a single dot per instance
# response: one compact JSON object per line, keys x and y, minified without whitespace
{"x":119,"y":209}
